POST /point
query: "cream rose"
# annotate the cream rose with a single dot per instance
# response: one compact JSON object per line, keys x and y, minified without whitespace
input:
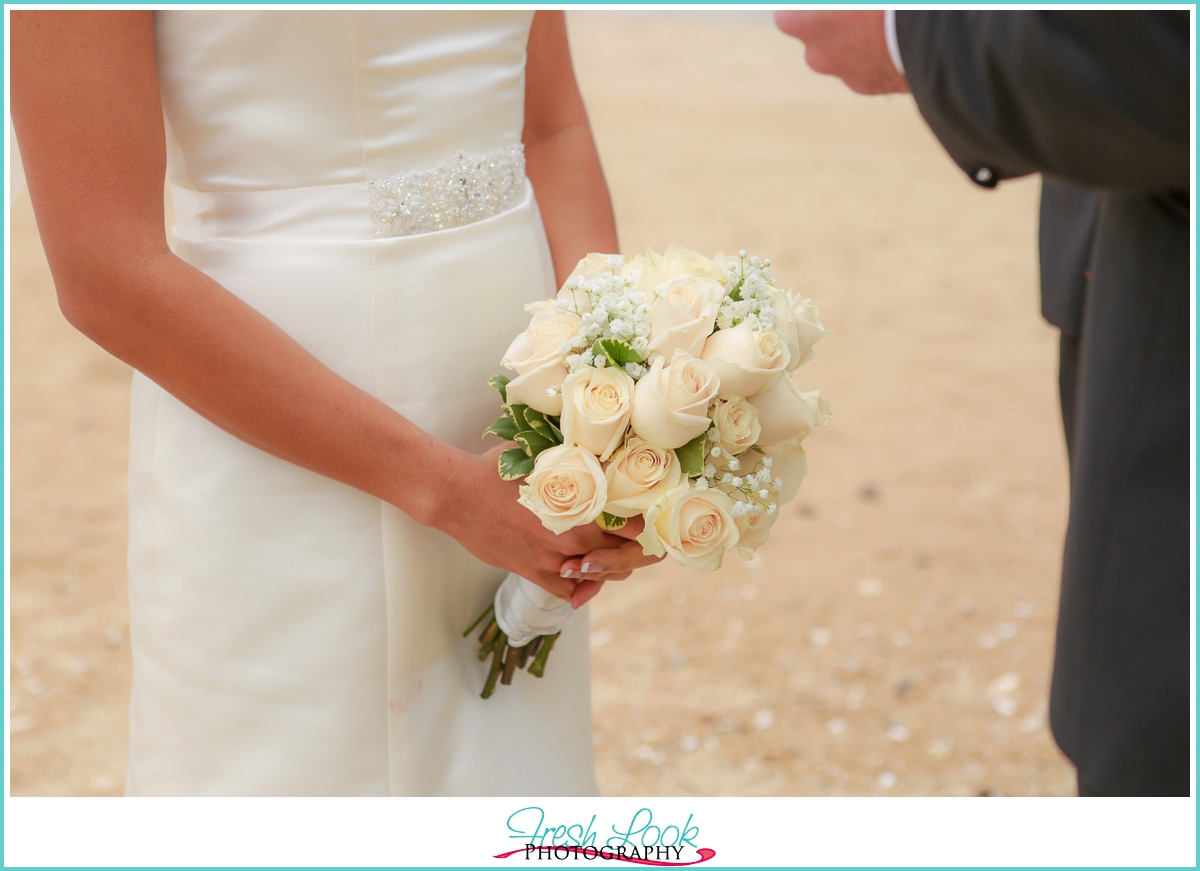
{"x":797,"y":319}
{"x":636,"y":268}
{"x":597,"y":264}
{"x":745,"y":359}
{"x":789,"y":463}
{"x":566,"y":488}
{"x":677,"y":260}
{"x":537,"y":357}
{"x":737,"y":425}
{"x":692,"y":523}
{"x":808,"y":330}
{"x":670,"y":402}
{"x":683,"y":313}
{"x":638,"y":475}
{"x":785,"y":322}
{"x":755,"y":528}
{"x":784,"y":413}
{"x":596,"y":405}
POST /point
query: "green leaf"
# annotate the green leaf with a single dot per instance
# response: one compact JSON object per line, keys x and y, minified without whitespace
{"x":504,"y":427}
{"x":501,"y":384}
{"x":691,"y":455}
{"x":618,"y":351}
{"x":610,"y":521}
{"x":757,"y":450}
{"x":515,"y":463}
{"x":547,"y":430}
{"x":517,"y":414}
{"x":553,"y":422}
{"x":538,"y":423}
{"x":533,"y":443}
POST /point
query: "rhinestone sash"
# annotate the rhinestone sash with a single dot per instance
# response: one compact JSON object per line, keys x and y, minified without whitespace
{"x":462,"y":190}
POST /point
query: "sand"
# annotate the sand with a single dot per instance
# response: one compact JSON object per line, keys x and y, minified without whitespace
{"x":894,"y":636}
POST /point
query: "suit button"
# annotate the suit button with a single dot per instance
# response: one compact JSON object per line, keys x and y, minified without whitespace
{"x":984,"y":177}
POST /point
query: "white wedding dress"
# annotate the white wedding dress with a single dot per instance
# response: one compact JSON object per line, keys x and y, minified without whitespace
{"x":292,"y":635}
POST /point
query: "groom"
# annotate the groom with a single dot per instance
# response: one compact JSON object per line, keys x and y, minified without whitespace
{"x":1099,"y":103}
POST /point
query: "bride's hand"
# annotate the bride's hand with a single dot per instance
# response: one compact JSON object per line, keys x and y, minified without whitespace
{"x":480,"y":511}
{"x":613,"y":562}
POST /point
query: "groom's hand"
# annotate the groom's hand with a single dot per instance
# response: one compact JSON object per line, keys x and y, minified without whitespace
{"x":849,"y":45}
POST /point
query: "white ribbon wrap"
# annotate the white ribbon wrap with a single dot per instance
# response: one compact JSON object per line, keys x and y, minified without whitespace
{"x":524,"y":610}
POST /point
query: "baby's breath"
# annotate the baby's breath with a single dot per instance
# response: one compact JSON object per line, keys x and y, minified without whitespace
{"x":750,"y":284}
{"x":609,"y":308}
{"x":752,"y":492}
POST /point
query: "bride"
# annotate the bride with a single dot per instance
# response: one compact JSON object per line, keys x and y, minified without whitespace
{"x":311,"y":522}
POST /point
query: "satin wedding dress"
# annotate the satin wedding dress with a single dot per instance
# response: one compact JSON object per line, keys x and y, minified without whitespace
{"x":356,"y":176}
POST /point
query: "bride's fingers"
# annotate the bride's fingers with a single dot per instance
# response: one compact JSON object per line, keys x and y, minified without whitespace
{"x":632,"y":529}
{"x":586,"y":591}
{"x":573,"y":568}
{"x":560,"y":587}
{"x":582,"y":539}
{"x":611,"y":561}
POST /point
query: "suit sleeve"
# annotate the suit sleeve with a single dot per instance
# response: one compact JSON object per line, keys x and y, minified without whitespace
{"x":1099,"y":99}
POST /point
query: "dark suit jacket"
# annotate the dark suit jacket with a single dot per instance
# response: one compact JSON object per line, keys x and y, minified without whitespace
{"x":1099,"y":103}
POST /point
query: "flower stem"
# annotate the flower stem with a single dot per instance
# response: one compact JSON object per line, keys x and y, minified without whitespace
{"x":499,"y":647}
{"x":511,"y":657}
{"x":479,"y":619}
{"x":485,"y":649}
{"x":538,"y":669}
{"x":489,"y":632}
{"x":535,"y":645}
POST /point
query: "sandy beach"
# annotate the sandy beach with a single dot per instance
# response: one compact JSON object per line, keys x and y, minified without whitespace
{"x":895,"y":635}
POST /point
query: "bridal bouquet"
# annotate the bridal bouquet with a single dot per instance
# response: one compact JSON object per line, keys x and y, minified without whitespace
{"x":658,"y":386}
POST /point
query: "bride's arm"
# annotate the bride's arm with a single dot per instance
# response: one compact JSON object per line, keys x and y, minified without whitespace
{"x":86,"y":107}
{"x":565,"y":170}
{"x":560,"y":154}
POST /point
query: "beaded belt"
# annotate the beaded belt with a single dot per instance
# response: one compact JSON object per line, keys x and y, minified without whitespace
{"x":459,"y":191}
{"x":462,"y":190}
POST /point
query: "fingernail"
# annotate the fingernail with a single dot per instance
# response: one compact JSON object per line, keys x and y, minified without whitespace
{"x":587,"y":567}
{"x":567,"y":573}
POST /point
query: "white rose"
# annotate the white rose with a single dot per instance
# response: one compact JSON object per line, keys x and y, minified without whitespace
{"x":670,"y":402}
{"x":737,"y":425}
{"x":636,"y":268}
{"x":785,"y":322}
{"x":684,"y":312}
{"x":596,"y":405}
{"x":784,"y":413}
{"x":745,"y":359}
{"x":537,"y":357}
{"x":808,"y":330}
{"x":595,"y":264}
{"x":692,"y":523}
{"x":797,"y":319}
{"x":790,"y":464}
{"x":755,"y":529}
{"x":566,"y":488}
{"x":638,"y":475}
{"x":677,"y":260}
{"x":724,"y":265}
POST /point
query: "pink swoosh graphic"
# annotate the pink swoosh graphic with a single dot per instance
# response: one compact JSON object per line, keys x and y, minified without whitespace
{"x":705,"y":855}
